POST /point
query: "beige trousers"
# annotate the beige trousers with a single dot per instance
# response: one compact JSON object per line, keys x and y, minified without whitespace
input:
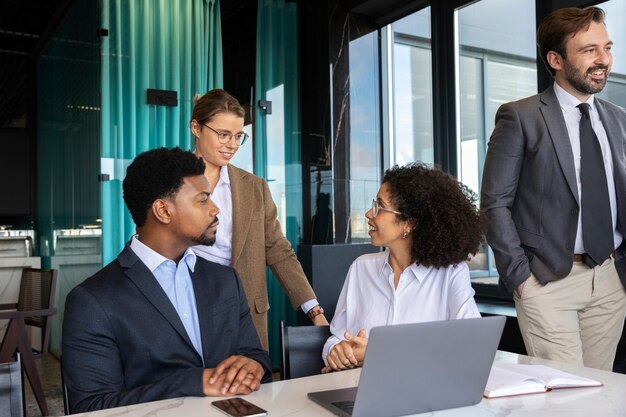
{"x":577,"y":319}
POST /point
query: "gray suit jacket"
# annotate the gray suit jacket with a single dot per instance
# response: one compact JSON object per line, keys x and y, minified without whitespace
{"x":124,"y":343}
{"x":529,"y":191}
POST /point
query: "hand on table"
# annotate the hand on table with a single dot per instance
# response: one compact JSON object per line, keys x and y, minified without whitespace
{"x":348,"y":353}
{"x":234,"y":375}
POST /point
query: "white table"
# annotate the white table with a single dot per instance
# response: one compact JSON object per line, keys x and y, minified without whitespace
{"x":288,"y":398}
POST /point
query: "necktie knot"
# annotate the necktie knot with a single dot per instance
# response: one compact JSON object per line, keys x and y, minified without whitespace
{"x":584,"y":109}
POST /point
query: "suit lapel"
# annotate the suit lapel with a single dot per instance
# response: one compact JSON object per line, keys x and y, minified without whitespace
{"x":241,"y":191}
{"x":555,"y":123}
{"x":147,"y":284}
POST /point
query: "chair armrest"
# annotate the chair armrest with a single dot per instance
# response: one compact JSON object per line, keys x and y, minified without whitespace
{"x":11,"y":306}
{"x":27,"y":313}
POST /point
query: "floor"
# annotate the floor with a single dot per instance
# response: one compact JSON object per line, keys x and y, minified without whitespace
{"x":50,"y":373}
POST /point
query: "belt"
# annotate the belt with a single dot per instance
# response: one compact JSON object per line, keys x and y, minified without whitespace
{"x":580,"y":257}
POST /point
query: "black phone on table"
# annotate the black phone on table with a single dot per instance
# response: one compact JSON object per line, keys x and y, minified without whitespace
{"x":238,"y":407}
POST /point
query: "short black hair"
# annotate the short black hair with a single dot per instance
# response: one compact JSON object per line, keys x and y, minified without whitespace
{"x":155,"y":174}
{"x":448,"y":226}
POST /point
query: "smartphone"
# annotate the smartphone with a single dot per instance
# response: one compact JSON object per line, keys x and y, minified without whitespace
{"x":238,"y":407}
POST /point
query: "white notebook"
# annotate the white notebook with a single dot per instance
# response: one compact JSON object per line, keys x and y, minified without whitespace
{"x":516,"y":379}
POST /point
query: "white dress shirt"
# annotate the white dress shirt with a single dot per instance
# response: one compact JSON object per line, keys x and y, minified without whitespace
{"x":221,"y":196}
{"x":176,"y":282}
{"x":572,"y":116}
{"x":221,"y":252}
{"x":369,"y":299}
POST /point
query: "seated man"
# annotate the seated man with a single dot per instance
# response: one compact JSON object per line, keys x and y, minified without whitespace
{"x":159,"y":322}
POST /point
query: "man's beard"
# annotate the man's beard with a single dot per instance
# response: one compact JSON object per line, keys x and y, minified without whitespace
{"x":579,"y":81}
{"x":205,"y":240}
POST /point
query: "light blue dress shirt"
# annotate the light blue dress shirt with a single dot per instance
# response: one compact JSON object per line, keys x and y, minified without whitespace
{"x":176,"y":282}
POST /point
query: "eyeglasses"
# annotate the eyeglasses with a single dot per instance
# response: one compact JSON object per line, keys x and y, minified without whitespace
{"x":224,"y":136}
{"x":377,"y":207}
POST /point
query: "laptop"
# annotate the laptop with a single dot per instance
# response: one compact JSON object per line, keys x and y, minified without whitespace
{"x":420,"y":367}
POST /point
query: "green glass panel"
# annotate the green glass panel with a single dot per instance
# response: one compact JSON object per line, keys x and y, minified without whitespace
{"x":165,"y":45}
{"x":277,"y":81}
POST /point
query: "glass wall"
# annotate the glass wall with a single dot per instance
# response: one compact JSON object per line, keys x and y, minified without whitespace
{"x":365,"y":146}
{"x":411,"y":99}
{"x":277,"y":138}
{"x":496,"y":64}
{"x":68,"y":154}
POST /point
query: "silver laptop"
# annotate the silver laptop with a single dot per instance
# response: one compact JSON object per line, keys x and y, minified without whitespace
{"x":420,"y":367}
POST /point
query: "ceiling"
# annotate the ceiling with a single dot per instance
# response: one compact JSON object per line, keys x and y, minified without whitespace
{"x":25,"y":27}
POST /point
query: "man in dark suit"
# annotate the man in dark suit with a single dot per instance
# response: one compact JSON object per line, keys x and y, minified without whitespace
{"x":159,"y":322}
{"x":538,"y":194}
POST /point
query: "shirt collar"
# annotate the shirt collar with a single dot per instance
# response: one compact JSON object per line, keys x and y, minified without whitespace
{"x":153,"y":259}
{"x":386,"y":269}
{"x":224,"y":175}
{"x":567,"y":101}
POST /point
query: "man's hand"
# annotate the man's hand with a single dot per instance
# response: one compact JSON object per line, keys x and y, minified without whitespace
{"x":320,"y":320}
{"x":348,"y":353}
{"x":215,"y":389}
{"x":234,"y":375}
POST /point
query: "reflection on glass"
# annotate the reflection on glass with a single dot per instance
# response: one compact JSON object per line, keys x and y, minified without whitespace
{"x":365,"y":146}
{"x":496,"y":64}
{"x":412,"y":90}
{"x":276,"y":152}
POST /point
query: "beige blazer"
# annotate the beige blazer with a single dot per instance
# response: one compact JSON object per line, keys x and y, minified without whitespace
{"x":257,"y":242}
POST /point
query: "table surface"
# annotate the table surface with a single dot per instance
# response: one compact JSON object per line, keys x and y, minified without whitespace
{"x":288,"y":398}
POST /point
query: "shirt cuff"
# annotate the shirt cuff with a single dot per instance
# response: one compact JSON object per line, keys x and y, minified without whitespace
{"x":306,"y":306}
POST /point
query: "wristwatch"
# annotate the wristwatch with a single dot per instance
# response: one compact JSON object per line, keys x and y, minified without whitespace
{"x":315,"y":311}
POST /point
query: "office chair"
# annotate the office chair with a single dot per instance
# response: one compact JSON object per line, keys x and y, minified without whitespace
{"x":301,"y":350}
{"x":34,"y":307}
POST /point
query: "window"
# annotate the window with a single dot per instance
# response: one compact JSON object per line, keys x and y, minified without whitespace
{"x":496,"y":64}
{"x":410,"y":98}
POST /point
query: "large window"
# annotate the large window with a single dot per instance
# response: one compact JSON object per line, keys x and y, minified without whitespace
{"x":496,"y":64}
{"x":392,"y":115}
{"x":410,"y":100}
{"x":365,"y":132}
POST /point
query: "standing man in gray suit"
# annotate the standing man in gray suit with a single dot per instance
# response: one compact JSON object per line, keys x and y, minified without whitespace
{"x":557,"y":215}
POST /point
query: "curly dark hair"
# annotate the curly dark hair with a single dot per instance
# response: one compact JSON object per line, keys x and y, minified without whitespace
{"x":448,"y":226}
{"x":155,"y":174}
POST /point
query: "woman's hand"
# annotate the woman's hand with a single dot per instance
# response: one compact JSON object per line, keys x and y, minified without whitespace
{"x":348,"y":353}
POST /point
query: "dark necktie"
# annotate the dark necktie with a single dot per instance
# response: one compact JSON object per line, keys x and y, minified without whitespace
{"x":596,"y":209}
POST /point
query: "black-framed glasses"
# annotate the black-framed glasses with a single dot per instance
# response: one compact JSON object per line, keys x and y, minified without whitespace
{"x":377,"y":207}
{"x":224,"y":136}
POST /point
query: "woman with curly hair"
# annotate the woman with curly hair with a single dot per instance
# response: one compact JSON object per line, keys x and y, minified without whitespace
{"x":429,"y":225}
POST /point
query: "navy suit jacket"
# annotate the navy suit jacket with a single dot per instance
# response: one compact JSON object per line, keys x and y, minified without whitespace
{"x":124,"y":343}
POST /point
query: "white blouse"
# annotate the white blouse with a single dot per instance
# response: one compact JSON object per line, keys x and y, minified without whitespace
{"x":369,"y":299}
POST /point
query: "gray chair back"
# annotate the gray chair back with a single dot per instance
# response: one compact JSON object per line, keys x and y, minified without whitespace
{"x":301,"y":348}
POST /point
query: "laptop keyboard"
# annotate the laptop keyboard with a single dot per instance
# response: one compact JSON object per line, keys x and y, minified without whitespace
{"x":346,"y":406}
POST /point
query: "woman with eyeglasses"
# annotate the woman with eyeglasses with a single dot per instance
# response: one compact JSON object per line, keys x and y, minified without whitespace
{"x":248,"y":236}
{"x":429,"y":225}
